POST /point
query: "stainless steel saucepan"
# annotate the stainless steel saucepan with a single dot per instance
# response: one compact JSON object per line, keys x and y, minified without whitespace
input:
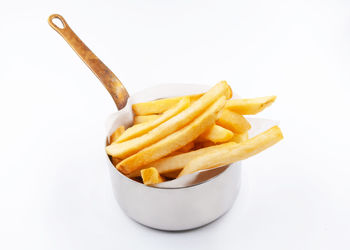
{"x":182,"y":205}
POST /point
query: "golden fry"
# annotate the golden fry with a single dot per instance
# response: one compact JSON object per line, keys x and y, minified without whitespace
{"x":141,"y":129}
{"x":174,"y":141}
{"x":216,"y":134}
{"x":240,"y":137}
{"x":231,"y":154}
{"x":186,"y":148}
{"x":203,"y":144}
{"x":116,"y":134}
{"x":159,"y":106}
{"x":127,"y":148}
{"x":177,"y":162}
{"x":151,"y":176}
{"x":145,"y":118}
{"x":115,"y":161}
{"x":250,"y":106}
{"x":233,"y":121}
{"x":174,"y":153}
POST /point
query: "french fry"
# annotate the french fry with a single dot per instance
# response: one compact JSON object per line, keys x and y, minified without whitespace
{"x":203,"y":144}
{"x":177,"y":162}
{"x":231,"y":154}
{"x":115,"y":161}
{"x":145,"y":118}
{"x":250,"y":106}
{"x":186,"y":148}
{"x":216,"y":134}
{"x":159,"y":106}
{"x":141,"y":129}
{"x":174,"y":141}
{"x":151,"y":176}
{"x":233,"y":121}
{"x":240,"y":137}
{"x":127,"y":148}
{"x":116,"y":134}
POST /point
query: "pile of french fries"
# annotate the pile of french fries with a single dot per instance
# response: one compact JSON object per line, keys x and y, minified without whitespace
{"x":177,"y":136}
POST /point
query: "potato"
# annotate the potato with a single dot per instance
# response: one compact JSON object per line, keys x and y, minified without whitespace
{"x":177,"y":162}
{"x":250,"y":106}
{"x":144,"y":118}
{"x":233,"y":121}
{"x":233,"y":153}
{"x":240,"y":137}
{"x":130,"y":147}
{"x":116,"y":134}
{"x":216,"y":134}
{"x":159,"y":106}
{"x":151,"y":176}
{"x":141,"y":129}
{"x":174,"y":141}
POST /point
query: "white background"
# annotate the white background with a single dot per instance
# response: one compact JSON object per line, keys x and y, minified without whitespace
{"x":55,"y":191}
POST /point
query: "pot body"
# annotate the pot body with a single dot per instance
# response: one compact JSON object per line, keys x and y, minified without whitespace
{"x":172,"y":209}
{"x":176,"y":209}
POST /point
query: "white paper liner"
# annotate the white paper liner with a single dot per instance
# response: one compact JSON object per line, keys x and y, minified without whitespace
{"x":125,"y":117}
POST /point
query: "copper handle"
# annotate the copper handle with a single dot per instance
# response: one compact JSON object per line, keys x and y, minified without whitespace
{"x":106,"y":76}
